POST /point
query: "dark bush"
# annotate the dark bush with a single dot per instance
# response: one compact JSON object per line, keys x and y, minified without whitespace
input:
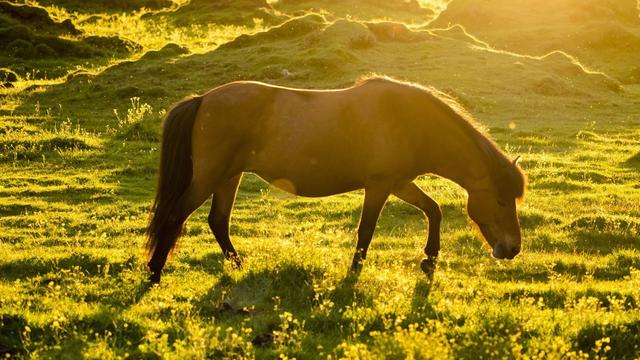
{"x":68,"y":25}
{"x":112,"y":43}
{"x":44,"y":50}
{"x":21,"y":48}
{"x":72,"y":48}
{"x":37,"y":18}
{"x":169,"y":50}
{"x":16,"y":32}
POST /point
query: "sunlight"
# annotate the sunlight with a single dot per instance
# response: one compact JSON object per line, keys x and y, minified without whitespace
{"x":320,"y":179}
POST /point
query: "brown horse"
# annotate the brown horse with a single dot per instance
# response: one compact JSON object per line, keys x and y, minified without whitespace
{"x":378,"y":135}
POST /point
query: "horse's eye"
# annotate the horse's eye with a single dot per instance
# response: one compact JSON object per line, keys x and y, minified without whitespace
{"x":502,"y":203}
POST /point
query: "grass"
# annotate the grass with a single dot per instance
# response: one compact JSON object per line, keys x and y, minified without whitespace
{"x":78,"y":162}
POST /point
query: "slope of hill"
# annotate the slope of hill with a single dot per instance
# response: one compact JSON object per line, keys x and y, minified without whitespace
{"x":312,"y":50}
{"x":605,"y":35}
{"x":33,"y":43}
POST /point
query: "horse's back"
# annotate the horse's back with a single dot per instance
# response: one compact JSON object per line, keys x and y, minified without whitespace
{"x":323,"y":141}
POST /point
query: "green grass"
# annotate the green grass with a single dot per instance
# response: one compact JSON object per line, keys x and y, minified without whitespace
{"x":78,"y":163}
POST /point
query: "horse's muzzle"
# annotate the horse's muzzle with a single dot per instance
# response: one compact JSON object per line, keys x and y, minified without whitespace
{"x":505,"y":251}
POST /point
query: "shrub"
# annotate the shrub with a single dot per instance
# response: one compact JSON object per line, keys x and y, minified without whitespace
{"x":44,"y":50}
{"x":21,"y":48}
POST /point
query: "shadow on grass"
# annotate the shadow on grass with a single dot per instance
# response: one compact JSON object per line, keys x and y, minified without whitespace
{"x":68,"y":195}
{"x":605,"y":242}
{"x":112,"y":291}
{"x":634,"y":161}
{"x":519,"y":274}
{"x":551,"y":298}
{"x":67,"y":337}
{"x":262,"y":296}
{"x":86,"y":264}
{"x":212,"y":263}
{"x":291,"y":283}
{"x":16,"y":209}
{"x":11,"y":339}
{"x":595,"y":242}
{"x":617,"y":267}
{"x":421,"y":308}
{"x":624,"y":339}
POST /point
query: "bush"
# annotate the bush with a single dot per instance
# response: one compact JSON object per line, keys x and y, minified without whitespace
{"x":21,"y":48}
{"x":44,"y":50}
{"x":16,"y":32}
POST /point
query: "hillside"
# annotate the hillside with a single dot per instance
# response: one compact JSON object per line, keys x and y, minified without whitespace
{"x":602,"y":34}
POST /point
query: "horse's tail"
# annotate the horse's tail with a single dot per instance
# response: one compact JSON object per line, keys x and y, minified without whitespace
{"x":176,"y":169}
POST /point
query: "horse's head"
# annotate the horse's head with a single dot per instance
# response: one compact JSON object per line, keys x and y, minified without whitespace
{"x":493,"y":209}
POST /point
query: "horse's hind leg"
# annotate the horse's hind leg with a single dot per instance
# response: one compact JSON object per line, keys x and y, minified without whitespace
{"x":192,"y":198}
{"x":221,"y":206}
{"x":413,"y":195}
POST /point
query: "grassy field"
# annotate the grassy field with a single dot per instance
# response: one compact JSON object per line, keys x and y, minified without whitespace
{"x":87,"y":84}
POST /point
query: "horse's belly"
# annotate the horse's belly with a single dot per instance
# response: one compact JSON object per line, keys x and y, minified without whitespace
{"x":311,"y":184}
{"x":330,"y":177}
{"x":323,"y":161}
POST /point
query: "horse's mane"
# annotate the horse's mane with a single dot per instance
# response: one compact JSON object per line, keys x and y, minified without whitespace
{"x":507,"y":176}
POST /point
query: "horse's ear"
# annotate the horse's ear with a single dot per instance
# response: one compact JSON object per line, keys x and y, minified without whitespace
{"x":517,"y":160}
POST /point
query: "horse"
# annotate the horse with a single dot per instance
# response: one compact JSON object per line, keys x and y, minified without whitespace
{"x":379,"y":135}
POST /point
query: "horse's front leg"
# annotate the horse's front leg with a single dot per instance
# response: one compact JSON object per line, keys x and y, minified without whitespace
{"x":374,"y":199}
{"x":413,"y":195}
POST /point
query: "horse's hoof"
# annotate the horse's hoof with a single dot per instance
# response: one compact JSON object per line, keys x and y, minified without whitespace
{"x":428,"y":266}
{"x":236,"y":262}
{"x":154,"y":278}
{"x":356,"y":267}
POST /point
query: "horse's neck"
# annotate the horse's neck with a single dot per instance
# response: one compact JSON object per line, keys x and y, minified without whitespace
{"x":469,"y":164}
